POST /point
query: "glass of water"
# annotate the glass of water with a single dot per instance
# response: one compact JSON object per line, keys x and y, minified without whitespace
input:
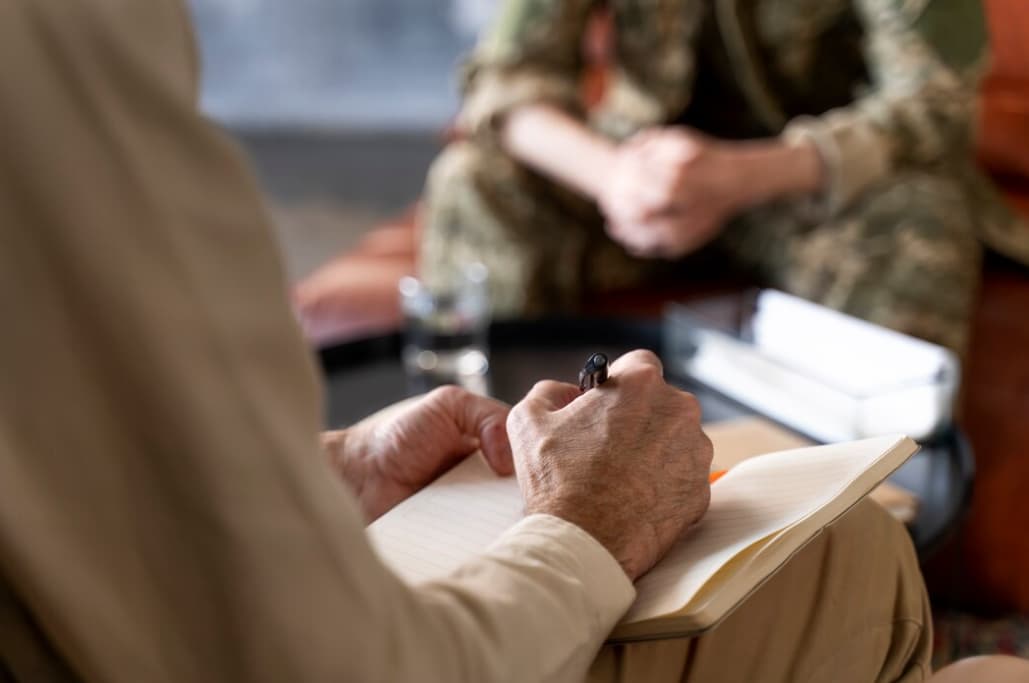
{"x":446,"y":333}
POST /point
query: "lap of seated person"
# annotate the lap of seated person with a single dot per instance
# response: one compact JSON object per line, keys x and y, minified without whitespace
{"x":798,"y":621}
{"x":886,"y":229}
{"x":886,"y":259}
{"x":891,"y":236}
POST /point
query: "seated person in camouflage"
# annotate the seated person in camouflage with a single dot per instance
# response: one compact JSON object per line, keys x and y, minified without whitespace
{"x":823,"y":145}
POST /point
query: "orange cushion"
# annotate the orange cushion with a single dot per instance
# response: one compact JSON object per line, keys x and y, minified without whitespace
{"x":1003,"y":141}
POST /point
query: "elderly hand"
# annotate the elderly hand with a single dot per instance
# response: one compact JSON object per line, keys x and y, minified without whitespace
{"x":627,"y":461}
{"x":671,"y":191}
{"x":391,"y":455}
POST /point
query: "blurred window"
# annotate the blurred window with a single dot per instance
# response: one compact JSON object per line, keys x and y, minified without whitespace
{"x":350,"y":64}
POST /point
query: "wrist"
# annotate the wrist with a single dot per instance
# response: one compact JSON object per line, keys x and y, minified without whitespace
{"x":341,"y":449}
{"x":624,"y":548}
{"x":776,"y":169}
{"x":605,"y":166}
{"x":557,"y":145}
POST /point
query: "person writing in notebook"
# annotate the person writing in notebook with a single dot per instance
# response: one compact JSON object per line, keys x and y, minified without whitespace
{"x":166,"y":513}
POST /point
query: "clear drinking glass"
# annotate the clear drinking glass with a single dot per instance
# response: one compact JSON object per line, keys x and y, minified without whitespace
{"x":446,"y":332}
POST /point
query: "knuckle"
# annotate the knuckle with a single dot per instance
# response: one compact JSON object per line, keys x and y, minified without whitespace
{"x":544,"y":386}
{"x":651,"y":373}
{"x":640,"y":366}
{"x":448,"y":394}
{"x":516,"y":418}
{"x":643,"y":357}
{"x":649,"y":356}
{"x":542,"y":389}
{"x":691,"y":403}
{"x":705,"y":449}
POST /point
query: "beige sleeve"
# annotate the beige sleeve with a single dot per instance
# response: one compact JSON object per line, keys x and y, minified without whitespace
{"x":165,"y":514}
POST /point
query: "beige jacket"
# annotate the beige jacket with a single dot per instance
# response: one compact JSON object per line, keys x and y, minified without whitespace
{"x":164,"y":512}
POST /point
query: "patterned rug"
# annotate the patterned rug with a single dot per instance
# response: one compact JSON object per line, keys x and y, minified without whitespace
{"x":958,"y":635}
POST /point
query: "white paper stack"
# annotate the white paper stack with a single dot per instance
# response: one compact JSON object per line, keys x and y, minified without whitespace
{"x":826,"y":374}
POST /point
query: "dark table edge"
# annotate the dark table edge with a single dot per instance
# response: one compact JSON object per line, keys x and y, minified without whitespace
{"x":550,"y":332}
{"x":641,"y":332}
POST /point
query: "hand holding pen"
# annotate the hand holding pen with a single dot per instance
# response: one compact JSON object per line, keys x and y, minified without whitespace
{"x":625,"y":460}
{"x":594,"y":373}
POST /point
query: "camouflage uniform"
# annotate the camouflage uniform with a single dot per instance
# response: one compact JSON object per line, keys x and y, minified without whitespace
{"x":883,"y":88}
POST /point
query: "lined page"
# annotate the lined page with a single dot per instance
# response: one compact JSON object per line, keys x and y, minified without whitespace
{"x":756,"y":499}
{"x":456,"y":518}
{"x":462,"y":513}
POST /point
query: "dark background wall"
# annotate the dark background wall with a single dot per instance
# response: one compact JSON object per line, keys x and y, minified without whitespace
{"x":353,"y":64}
{"x":339,"y":103}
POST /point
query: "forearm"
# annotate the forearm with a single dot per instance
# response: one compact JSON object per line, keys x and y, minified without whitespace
{"x":772,"y":169}
{"x":559,"y":146}
{"x":563,"y":148}
{"x":919,"y":110}
{"x":347,"y":452}
{"x":535,"y":607}
{"x":345,"y":462}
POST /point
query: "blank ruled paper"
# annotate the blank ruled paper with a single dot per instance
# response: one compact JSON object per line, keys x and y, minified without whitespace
{"x":463,"y":512}
{"x":756,"y":499}
{"x":433,"y":532}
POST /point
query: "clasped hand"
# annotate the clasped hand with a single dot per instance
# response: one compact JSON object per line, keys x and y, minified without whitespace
{"x":669,"y":192}
{"x":627,"y":462}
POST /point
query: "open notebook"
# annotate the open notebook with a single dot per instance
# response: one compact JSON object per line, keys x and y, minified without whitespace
{"x":762,"y":512}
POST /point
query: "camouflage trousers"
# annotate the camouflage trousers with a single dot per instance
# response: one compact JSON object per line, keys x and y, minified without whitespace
{"x":905,"y":255}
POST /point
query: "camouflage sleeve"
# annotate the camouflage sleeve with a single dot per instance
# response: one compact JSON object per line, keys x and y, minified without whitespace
{"x":531,"y":53}
{"x":925,"y":58}
{"x":653,"y":78}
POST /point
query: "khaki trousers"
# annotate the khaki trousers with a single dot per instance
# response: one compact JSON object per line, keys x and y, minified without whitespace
{"x":851,"y":606}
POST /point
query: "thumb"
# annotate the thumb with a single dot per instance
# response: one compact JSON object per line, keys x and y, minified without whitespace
{"x":485,"y":419}
{"x":677,"y":149}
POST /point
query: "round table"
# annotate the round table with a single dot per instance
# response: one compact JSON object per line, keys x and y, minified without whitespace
{"x":366,"y":375}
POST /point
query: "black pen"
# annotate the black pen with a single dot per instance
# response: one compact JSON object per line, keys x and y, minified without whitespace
{"x":594,"y":373}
